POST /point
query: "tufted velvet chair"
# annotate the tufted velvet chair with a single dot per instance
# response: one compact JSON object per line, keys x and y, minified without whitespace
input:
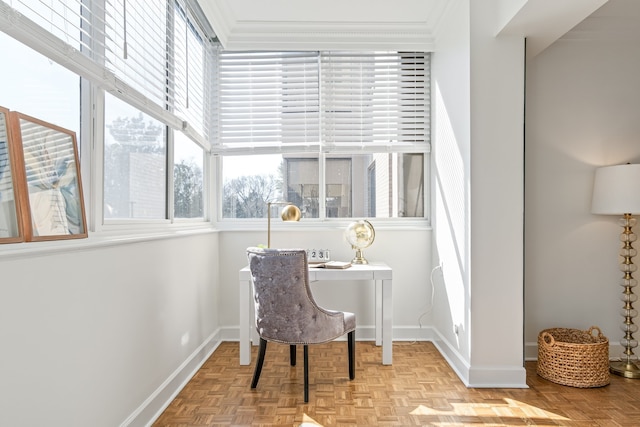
{"x":286,"y":311}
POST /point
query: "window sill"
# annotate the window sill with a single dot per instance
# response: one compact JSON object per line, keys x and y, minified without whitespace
{"x":322,"y":225}
{"x":112,"y":237}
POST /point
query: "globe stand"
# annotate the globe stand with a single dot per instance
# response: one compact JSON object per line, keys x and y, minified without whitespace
{"x":359,"y":258}
{"x":360,"y":235}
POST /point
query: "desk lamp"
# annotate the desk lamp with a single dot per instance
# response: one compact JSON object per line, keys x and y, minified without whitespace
{"x":616,"y":191}
{"x":289,"y":213}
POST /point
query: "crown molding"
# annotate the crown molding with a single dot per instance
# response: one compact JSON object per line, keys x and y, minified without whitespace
{"x":220,"y":16}
{"x":328,"y":35}
{"x":296,"y":28}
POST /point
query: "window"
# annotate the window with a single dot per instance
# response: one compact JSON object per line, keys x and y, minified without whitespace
{"x":245,"y":194}
{"x":135,"y":154}
{"x":345,"y":134}
{"x":157,"y":49}
{"x":35,"y":86}
{"x":339,"y":134}
{"x":188,"y":179}
{"x":39,"y":87}
{"x":150,"y":63}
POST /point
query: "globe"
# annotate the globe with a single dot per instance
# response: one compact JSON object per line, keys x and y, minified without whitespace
{"x":360,"y":234}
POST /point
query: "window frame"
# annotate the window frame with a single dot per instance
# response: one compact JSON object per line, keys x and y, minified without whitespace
{"x":327,"y":149}
{"x":94,"y":83}
{"x":230,"y":224}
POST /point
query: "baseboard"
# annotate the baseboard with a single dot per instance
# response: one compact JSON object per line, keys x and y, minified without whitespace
{"x":480,"y":376}
{"x":497,"y":377}
{"x":452,"y":356}
{"x":531,"y":351}
{"x":471,"y":376}
{"x":155,"y":404}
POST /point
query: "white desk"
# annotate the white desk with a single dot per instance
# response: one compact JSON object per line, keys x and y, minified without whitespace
{"x":379,"y":273}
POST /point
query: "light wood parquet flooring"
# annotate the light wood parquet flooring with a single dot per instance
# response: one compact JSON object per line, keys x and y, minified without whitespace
{"x":419,"y":389}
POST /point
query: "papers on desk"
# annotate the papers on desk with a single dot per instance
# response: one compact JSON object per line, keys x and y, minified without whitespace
{"x":330,"y":264}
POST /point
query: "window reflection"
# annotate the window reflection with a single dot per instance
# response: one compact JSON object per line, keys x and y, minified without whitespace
{"x":188,"y":181}
{"x":134,"y":163}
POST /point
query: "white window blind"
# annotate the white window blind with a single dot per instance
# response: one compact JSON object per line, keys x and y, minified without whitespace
{"x":135,"y":45}
{"x":375,"y":101}
{"x":268,"y":101}
{"x":192,"y":60}
{"x":151,"y":54}
{"x":323,"y":102}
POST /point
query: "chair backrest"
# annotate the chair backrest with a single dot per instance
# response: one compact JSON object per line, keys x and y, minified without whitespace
{"x":285,"y":310}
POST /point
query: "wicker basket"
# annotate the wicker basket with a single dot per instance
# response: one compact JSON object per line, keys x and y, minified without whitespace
{"x":573,"y":357}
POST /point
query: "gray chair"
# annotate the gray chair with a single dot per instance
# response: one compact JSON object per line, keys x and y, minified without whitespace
{"x":286,"y":312}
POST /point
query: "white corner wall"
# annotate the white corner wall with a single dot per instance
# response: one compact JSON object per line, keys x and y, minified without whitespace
{"x":103,"y":335}
{"x":478,"y":197}
{"x":451,"y":111}
{"x":497,"y":202}
{"x":582,"y":113}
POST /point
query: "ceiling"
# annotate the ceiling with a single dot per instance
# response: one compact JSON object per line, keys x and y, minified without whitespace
{"x":405,"y":24}
{"x":617,"y":20}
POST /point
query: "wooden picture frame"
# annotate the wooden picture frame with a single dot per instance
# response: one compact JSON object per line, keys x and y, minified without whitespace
{"x":10,"y":209}
{"x":50,"y":188}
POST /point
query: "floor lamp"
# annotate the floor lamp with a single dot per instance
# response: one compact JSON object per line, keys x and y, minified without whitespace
{"x":289,"y":213}
{"x":616,"y":191}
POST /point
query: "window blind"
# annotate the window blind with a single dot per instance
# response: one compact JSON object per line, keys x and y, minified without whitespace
{"x":323,"y":102}
{"x":151,"y":54}
{"x":375,"y":101}
{"x":191,"y":60}
{"x":268,"y":101}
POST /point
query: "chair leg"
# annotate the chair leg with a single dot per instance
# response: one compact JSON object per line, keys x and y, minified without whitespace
{"x":306,"y":373}
{"x":351,"y":343}
{"x":292,"y":354}
{"x":259,"y":362}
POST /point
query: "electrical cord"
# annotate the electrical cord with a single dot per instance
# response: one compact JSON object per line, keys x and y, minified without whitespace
{"x":433,"y":289}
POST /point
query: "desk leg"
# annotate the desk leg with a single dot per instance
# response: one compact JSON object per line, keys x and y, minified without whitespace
{"x":387,"y":323}
{"x":245,"y":310}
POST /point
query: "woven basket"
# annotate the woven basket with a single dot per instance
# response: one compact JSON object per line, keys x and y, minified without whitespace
{"x":573,"y":357}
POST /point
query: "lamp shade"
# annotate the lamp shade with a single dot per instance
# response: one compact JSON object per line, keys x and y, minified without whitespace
{"x":616,"y":190}
{"x":290,"y":213}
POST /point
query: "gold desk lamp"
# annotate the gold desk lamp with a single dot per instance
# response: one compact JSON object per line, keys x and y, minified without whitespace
{"x":289,"y":213}
{"x":616,"y":192}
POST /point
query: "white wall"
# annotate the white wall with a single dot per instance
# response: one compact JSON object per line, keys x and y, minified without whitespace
{"x":478,"y":158}
{"x":101,"y":335}
{"x":497,"y":197}
{"x":582,"y":113}
{"x":407,"y":251}
{"x":450,"y":190}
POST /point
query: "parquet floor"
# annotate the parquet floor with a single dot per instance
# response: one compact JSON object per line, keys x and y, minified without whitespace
{"x":419,"y":389}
